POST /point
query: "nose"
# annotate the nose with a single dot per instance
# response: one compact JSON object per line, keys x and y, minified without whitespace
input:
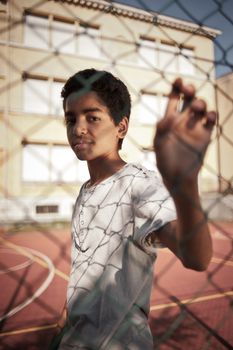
{"x":80,"y":128}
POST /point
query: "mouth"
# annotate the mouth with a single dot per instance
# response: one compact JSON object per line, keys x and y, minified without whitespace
{"x":82,"y":144}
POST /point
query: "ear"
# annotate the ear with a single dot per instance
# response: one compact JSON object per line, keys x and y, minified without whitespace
{"x":123,"y":127}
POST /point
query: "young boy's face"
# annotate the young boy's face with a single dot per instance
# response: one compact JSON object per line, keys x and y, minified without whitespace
{"x":91,"y":131}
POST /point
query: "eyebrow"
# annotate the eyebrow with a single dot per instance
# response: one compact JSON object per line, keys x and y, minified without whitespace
{"x":69,"y":114}
{"x":88,"y":110}
{"x":84,"y":111}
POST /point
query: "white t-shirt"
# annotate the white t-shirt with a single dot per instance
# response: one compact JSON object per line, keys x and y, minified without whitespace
{"x":112,"y":260}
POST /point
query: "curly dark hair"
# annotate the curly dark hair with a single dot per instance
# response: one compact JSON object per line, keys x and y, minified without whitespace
{"x":111,"y":90}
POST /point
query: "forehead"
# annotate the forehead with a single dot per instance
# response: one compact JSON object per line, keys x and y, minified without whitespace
{"x":85,"y":101}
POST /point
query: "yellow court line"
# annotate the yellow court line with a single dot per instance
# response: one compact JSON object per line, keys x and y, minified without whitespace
{"x":191,"y":301}
{"x":24,"y":252}
{"x":28,"y":330}
{"x":65,"y":276}
{"x":153,"y":308}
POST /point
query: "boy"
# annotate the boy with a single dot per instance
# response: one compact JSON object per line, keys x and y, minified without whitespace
{"x":124,"y":211}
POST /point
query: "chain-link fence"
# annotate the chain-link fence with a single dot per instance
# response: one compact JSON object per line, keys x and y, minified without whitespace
{"x":42,"y":43}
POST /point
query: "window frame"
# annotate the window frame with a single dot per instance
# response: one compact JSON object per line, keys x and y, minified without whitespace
{"x":77,"y":24}
{"x":161,"y":106}
{"x":72,"y":162}
{"x":167,"y":47}
{"x":150,"y":45}
{"x":51,"y":81}
{"x":83,"y":29}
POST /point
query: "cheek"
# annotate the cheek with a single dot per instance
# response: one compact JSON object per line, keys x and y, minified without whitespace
{"x":109,"y":131}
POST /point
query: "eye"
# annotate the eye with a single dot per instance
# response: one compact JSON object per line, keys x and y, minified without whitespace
{"x":93,"y":118}
{"x":69,"y":118}
{"x":69,"y":121}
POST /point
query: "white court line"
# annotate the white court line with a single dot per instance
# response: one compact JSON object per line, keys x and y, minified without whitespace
{"x":15,"y":267}
{"x":24,"y":252}
{"x":31,"y":253}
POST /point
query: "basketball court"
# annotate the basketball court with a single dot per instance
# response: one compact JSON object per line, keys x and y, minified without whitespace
{"x":188,"y":309}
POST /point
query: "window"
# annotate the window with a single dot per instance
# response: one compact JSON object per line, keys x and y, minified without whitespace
{"x":168,"y":57}
{"x":36,"y":96}
{"x":56,"y":107}
{"x":163,"y":101}
{"x":36,"y":31}
{"x":47,"y":209}
{"x":176,"y":61}
{"x":35,"y":163}
{"x":152,"y":108}
{"x":43,"y":33}
{"x":89,"y":41}
{"x":187,"y":62}
{"x":42,"y":96}
{"x":63,"y":36}
{"x":52,"y":163}
{"x":49,"y":32}
{"x":148,"y":56}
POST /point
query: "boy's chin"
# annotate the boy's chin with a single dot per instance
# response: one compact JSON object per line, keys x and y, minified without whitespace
{"x":81,"y":157}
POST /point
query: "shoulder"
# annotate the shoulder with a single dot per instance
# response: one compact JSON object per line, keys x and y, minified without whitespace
{"x":144,"y":176}
{"x":140,"y":172}
{"x":145,"y":182}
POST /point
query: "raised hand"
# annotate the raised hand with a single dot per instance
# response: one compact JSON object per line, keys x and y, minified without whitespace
{"x":182,"y":137}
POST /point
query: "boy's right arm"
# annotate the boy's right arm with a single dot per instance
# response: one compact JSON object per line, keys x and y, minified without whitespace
{"x":181,"y":141}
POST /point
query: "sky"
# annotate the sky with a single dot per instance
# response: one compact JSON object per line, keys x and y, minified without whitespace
{"x":211,"y":13}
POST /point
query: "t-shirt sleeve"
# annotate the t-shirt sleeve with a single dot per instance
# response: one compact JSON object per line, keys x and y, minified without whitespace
{"x":153,"y":208}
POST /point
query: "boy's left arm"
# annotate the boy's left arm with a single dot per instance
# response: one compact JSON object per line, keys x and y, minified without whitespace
{"x":180,"y":145}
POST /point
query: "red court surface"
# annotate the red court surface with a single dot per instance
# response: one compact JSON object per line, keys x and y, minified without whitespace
{"x":189,"y":310}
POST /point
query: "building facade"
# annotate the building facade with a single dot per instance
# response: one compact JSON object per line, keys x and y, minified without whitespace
{"x":42,"y":43}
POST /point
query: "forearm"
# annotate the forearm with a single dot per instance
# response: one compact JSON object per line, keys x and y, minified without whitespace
{"x":193,"y":240}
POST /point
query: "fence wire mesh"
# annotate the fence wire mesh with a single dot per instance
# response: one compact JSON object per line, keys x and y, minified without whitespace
{"x":42,"y":43}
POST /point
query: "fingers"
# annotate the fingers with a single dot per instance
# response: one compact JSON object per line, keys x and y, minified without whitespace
{"x":199,"y":115}
{"x":179,"y":90}
{"x":198,"y":107}
{"x":192,"y":108}
{"x":195,"y":112}
{"x":211,"y":118}
{"x":174,"y":97}
{"x":188,"y":96}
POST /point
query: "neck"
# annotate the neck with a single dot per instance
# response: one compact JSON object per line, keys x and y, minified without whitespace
{"x":101,"y":169}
